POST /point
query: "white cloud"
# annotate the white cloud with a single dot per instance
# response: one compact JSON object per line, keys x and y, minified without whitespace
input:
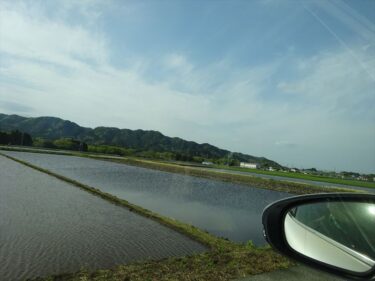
{"x":285,"y":144}
{"x":36,"y":37}
{"x":90,"y":9}
{"x":58,"y":69}
{"x":335,"y":84}
{"x":178,"y":62}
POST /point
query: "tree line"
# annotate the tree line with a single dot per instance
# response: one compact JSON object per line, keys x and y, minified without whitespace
{"x":63,"y":143}
{"x":21,"y":138}
{"x":15,"y":138}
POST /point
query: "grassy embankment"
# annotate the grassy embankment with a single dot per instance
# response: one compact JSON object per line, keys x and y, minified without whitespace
{"x":224,"y":260}
{"x":301,"y":176}
{"x":36,"y":150}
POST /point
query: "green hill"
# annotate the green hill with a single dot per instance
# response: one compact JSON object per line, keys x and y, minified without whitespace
{"x":53,"y":128}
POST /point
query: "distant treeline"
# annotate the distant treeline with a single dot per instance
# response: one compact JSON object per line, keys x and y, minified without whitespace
{"x":76,"y":145}
{"x":64,"y":143}
{"x":150,"y":154}
{"x":20,"y":138}
{"x":15,"y":138}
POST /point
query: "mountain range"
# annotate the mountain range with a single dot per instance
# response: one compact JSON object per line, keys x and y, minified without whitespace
{"x":53,"y":128}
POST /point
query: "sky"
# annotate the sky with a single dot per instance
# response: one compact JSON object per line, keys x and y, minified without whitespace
{"x":293,"y":81}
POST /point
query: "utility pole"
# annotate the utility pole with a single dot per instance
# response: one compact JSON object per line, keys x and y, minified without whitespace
{"x":229,"y":157}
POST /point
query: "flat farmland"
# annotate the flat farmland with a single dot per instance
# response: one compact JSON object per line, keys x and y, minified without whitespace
{"x":51,"y":227}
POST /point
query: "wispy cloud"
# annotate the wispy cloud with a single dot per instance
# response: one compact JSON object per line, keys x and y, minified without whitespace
{"x":27,"y":35}
{"x":15,"y":107}
{"x":179,"y":63}
{"x":348,"y":16}
{"x":334,"y":84}
{"x":50,"y":66}
{"x":286,"y":144}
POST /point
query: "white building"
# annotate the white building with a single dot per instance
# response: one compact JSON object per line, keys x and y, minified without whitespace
{"x":249,"y":165}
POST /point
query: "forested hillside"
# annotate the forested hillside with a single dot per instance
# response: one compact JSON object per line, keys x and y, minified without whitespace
{"x":52,"y":128}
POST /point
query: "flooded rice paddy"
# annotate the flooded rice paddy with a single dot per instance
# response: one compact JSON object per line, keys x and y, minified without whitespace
{"x":50,"y":227}
{"x":223,"y":209}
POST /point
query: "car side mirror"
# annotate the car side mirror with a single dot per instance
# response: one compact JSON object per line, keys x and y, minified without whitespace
{"x":332,"y":232}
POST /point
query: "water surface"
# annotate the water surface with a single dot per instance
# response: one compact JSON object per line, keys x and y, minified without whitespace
{"x":49,"y":227}
{"x":227,"y":210}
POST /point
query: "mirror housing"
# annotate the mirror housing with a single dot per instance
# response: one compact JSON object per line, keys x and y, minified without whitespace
{"x":296,"y":237}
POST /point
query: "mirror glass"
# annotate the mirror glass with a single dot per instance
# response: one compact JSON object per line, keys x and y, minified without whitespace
{"x":341,"y":234}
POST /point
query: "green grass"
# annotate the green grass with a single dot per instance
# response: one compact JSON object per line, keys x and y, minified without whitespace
{"x":230,"y":263}
{"x":301,"y":176}
{"x":224,"y":260}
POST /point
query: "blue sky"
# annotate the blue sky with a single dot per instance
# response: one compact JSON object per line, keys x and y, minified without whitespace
{"x":289,"y":80}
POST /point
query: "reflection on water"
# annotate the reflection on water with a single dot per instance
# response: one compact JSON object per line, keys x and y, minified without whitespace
{"x":224,"y":209}
{"x":50,"y":227}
